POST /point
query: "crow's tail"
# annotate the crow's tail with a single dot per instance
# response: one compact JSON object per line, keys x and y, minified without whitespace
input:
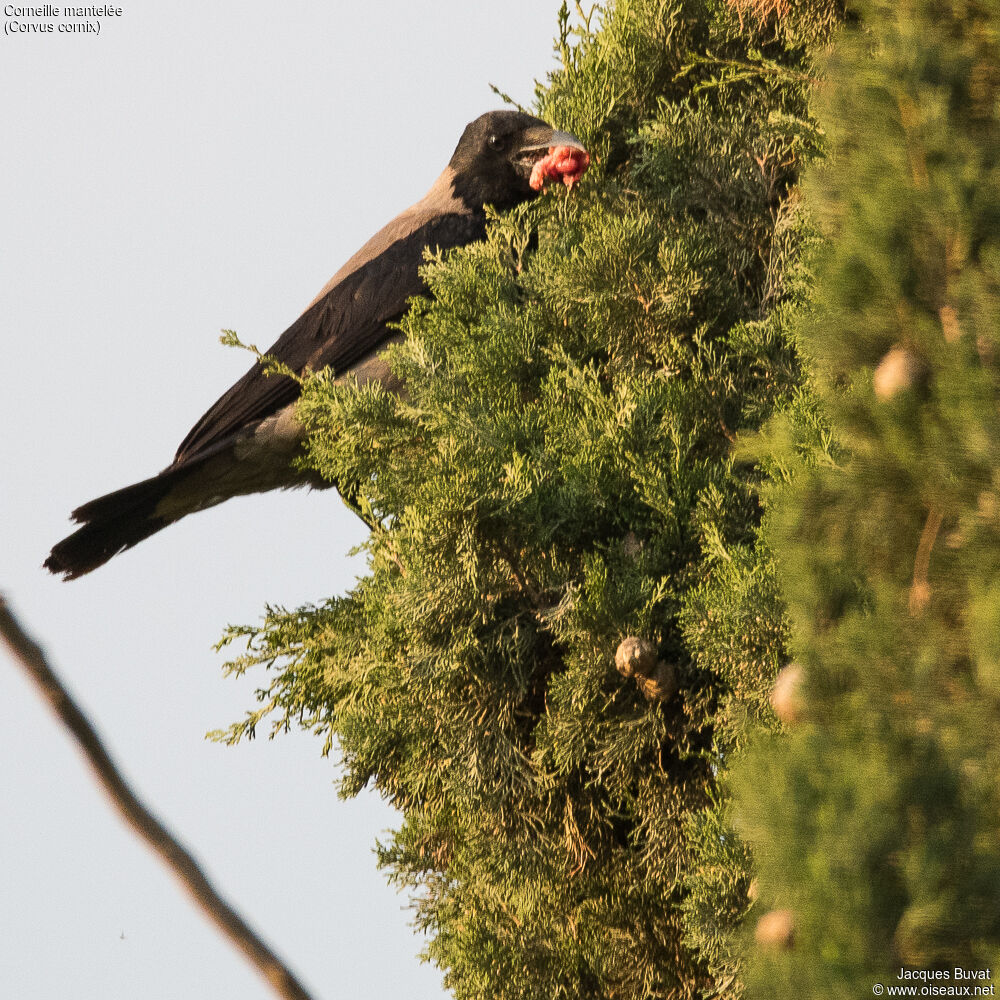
{"x":112,"y":524}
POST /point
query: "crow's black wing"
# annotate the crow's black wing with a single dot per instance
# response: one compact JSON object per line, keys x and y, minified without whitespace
{"x":342,"y":327}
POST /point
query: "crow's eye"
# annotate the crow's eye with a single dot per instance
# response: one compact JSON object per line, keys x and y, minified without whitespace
{"x":496,"y":142}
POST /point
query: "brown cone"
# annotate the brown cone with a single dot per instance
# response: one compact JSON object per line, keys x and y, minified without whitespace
{"x":776,"y":930}
{"x":635,"y":657}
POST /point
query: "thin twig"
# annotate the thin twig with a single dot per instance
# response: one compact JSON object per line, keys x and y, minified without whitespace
{"x":920,"y":590}
{"x":30,"y":656}
{"x":519,"y":578}
{"x":909,"y":116}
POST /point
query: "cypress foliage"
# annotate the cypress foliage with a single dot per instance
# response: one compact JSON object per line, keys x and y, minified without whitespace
{"x":874,"y":820}
{"x":559,"y":478}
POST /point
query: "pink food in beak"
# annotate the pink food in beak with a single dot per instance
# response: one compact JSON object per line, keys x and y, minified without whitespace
{"x":566,"y":162}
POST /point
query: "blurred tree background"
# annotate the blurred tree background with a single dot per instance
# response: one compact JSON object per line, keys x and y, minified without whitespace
{"x":874,"y":821}
{"x":658,"y":435}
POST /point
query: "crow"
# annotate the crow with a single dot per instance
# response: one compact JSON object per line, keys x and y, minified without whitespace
{"x":246,"y":442}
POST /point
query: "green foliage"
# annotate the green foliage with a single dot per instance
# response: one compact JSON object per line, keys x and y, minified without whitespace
{"x":875,"y":819}
{"x":557,"y":476}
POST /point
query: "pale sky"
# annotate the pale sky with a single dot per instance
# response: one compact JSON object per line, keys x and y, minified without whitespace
{"x":197,"y":165}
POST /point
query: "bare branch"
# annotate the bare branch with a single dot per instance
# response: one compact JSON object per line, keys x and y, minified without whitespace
{"x":156,"y":835}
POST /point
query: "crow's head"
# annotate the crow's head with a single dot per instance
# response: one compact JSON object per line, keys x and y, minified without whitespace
{"x":505,"y":157}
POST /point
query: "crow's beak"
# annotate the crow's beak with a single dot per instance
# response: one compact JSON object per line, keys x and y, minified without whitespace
{"x":539,"y":140}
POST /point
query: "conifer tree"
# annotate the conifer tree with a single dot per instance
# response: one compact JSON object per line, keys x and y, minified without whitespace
{"x":875,"y":819}
{"x":568,"y":624}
